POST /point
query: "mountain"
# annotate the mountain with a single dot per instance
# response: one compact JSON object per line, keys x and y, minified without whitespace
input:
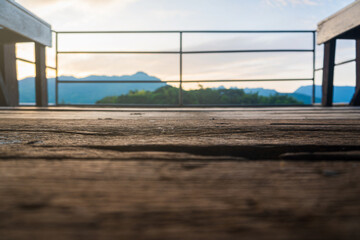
{"x":301,"y":97}
{"x":80,"y":93}
{"x":261,"y":91}
{"x":342,"y":94}
{"x":306,"y":99}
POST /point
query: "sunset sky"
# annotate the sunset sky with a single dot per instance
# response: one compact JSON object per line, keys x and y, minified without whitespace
{"x":81,"y":15}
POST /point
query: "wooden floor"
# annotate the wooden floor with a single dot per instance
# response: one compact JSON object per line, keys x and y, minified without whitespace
{"x":239,"y":173}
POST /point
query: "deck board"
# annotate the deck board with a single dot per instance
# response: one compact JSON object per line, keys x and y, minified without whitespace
{"x":240,"y":173}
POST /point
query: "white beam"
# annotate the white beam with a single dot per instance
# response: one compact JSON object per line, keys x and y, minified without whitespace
{"x":19,"y":20}
{"x":344,"y":20}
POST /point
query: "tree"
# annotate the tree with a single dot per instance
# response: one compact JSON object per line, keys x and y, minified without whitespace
{"x":170,"y":95}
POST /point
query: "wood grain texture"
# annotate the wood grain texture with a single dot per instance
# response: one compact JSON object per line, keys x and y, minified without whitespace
{"x":180,"y":174}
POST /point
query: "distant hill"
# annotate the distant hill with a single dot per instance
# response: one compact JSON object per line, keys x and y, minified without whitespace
{"x":80,"y":93}
{"x":77,"y":93}
{"x":306,"y":99}
{"x":342,"y":94}
{"x":261,"y":91}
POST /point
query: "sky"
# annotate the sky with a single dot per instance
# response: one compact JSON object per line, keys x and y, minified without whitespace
{"x":95,"y":15}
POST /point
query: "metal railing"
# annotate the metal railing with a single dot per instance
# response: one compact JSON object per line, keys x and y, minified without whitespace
{"x":181,"y":53}
{"x":33,"y":63}
{"x":338,"y":64}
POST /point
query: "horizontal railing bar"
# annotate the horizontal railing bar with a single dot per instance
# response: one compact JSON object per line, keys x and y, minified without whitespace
{"x":338,"y":64}
{"x":243,"y":105}
{"x":122,"y":105}
{"x":31,"y":62}
{"x":25,"y":60}
{"x":345,"y":62}
{"x":189,"y":31}
{"x":118,"y":52}
{"x":186,"y":81}
{"x":249,"y":80}
{"x":132,"y":105}
{"x":115,"y":81}
{"x":250,"y":51}
{"x":185,"y":52}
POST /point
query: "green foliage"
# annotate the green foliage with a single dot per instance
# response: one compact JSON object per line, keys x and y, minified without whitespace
{"x":170,"y":95}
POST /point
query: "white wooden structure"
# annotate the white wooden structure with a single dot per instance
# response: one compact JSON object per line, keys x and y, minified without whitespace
{"x":19,"y":25}
{"x":345,"y":24}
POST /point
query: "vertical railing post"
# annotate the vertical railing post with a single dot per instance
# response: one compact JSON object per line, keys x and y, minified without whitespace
{"x":41,"y":86}
{"x":56,"y":71}
{"x":355,"y":101}
{"x":9,"y":89}
{"x":328,"y":73}
{"x":181,"y":69}
{"x":314,"y":66}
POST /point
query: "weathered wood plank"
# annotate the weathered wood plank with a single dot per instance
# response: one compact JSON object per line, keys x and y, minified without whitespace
{"x":19,"y":20}
{"x":180,"y":175}
{"x":40,"y":79}
{"x":328,"y":73}
{"x":9,"y":74}
{"x":339,"y":23}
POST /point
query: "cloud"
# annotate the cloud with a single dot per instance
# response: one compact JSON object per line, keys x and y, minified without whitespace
{"x":275,"y":3}
{"x":78,"y":14}
{"x":46,"y":3}
{"x":37,"y":3}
